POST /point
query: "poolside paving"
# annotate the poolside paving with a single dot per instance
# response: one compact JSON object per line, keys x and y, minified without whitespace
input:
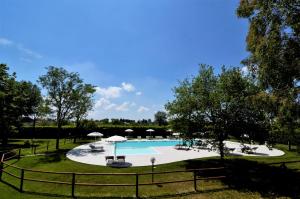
{"x":165,"y":154}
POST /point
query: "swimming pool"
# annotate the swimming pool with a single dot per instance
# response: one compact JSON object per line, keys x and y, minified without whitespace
{"x":143,"y":147}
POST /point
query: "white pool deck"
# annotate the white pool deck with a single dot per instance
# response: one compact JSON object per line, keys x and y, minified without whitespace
{"x":166,"y":154}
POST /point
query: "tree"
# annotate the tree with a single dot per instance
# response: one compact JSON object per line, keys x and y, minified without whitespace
{"x":17,"y":100}
{"x":63,"y":89}
{"x":182,"y":109}
{"x":273,"y":41}
{"x":41,"y":111}
{"x":244,"y":109}
{"x":34,"y":101}
{"x":83,"y":103}
{"x":211,"y":106}
{"x":217,"y":106}
{"x":160,"y":118}
{"x":288,"y":118}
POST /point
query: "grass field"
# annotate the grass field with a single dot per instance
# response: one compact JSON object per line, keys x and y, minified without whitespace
{"x":247,"y":177}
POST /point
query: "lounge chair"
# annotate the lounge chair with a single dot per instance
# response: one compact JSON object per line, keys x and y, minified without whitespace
{"x":95,"y":148}
{"x":248,"y":149}
{"x":139,"y":137}
{"x":121,"y":158}
{"x":254,"y":149}
{"x":181,"y":147}
{"x":109,"y":159}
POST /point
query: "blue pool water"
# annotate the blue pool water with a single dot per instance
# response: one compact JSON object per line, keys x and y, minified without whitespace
{"x":143,"y":147}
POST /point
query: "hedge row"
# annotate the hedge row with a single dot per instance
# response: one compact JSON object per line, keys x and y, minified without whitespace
{"x":51,"y":132}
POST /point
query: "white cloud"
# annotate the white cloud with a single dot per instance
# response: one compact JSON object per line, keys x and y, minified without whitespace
{"x":110,"y":106}
{"x":5,"y":42}
{"x":105,"y":104}
{"x":114,"y":91}
{"x":110,"y":92}
{"x":128,"y":87}
{"x":123,"y":107}
{"x":29,"y":52}
{"x":25,"y":60}
{"x":138,"y":93}
{"x":20,"y":48}
{"x":102,"y":102}
{"x":142,"y":109}
{"x":106,"y":98}
{"x":133,"y":104}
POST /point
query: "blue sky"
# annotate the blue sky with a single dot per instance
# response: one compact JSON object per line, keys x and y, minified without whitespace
{"x":134,"y":51}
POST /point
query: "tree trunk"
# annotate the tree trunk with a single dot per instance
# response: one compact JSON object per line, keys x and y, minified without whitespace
{"x":221,"y":144}
{"x":4,"y":137}
{"x":58,"y":135}
{"x":290,"y":134}
{"x":77,"y":130}
{"x":33,"y":127}
{"x":221,"y":149}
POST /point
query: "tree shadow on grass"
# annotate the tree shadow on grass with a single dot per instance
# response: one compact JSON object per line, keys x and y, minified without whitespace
{"x":246,"y":175}
{"x":51,"y":157}
{"x":10,"y":185}
{"x":77,"y":197}
{"x":11,"y":146}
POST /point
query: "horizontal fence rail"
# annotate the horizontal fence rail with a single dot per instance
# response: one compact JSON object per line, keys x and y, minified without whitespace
{"x":72,"y":176}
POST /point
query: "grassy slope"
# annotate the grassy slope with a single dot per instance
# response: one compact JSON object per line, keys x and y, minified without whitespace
{"x":249,"y":177}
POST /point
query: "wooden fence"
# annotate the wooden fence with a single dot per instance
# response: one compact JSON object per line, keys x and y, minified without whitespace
{"x":72,"y":183}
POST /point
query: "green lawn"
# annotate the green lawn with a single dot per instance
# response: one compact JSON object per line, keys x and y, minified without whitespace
{"x":248,"y":177}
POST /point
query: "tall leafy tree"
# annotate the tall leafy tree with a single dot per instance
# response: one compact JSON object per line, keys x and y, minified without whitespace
{"x":63,"y":91}
{"x":210,"y":106}
{"x":40,"y":111}
{"x":219,"y":106}
{"x":182,"y":109}
{"x":17,"y":99}
{"x":273,"y":41}
{"x":33,"y":100}
{"x":160,"y":118}
{"x":83,"y":104}
{"x":288,"y":119}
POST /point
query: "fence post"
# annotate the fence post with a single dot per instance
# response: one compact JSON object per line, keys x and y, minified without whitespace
{"x":2,"y":158}
{"x":22,"y":180}
{"x":35,"y":149}
{"x":195,"y":181}
{"x":19,"y":154}
{"x":73,"y":185}
{"x":47,"y":145}
{"x":137,"y":185}
{"x":1,"y":168}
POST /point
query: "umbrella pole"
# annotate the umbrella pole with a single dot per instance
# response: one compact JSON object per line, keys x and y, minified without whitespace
{"x":115,"y":149}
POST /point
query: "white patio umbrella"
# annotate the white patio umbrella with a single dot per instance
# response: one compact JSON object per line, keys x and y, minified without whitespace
{"x":115,"y":139}
{"x":128,"y":130}
{"x":95,"y":134}
{"x":176,"y":134}
{"x":150,"y":130}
